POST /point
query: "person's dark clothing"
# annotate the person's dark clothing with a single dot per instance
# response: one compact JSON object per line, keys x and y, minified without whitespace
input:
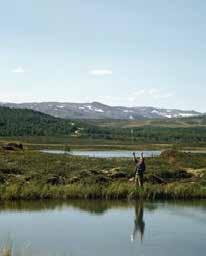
{"x":139,"y":171}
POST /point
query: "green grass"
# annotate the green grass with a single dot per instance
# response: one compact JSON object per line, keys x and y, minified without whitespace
{"x":116,"y":190}
{"x":31,"y":175}
{"x":173,"y":123}
{"x":73,"y":143}
{"x":47,"y":142}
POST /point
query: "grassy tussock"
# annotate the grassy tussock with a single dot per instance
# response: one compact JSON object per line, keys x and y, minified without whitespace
{"x":31,"y":175}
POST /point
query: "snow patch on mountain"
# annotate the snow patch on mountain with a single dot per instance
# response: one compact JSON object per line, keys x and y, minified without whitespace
{"x":187,"y":114}
{"x":97,"y":110}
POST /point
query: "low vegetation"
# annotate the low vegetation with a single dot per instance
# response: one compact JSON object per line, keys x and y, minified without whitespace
{"x":31,"y":175}
{"x":196,"y":121}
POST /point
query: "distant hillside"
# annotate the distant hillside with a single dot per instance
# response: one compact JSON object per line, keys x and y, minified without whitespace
{"x":20,"y":122}
{"x":96,"y":110}
{"x":189,"y":122}
{"x":24,"y":122}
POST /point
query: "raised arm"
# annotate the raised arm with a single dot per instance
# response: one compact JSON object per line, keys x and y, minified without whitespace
{"x":134,"y":156}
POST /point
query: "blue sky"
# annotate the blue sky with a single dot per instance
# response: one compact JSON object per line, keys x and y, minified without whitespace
{"x":121,"y":52}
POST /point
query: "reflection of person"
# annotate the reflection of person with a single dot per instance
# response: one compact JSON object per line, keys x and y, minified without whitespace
{"x":139,"y":169}
{"x":139,"y":224}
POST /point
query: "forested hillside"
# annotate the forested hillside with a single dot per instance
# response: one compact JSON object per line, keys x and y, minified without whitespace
{"x":21,"y":122}
{"x":150,"y":134}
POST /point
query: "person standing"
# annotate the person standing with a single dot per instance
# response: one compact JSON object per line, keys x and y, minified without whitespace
{"x":140,"y":169}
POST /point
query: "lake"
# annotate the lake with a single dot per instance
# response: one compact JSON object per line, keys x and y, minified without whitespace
{"x":112,"y":153}
{"x":104,"y":153}
{"x":91,"y":228}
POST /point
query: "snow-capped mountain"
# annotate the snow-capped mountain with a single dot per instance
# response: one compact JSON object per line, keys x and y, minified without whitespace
{"x":96,"y":110}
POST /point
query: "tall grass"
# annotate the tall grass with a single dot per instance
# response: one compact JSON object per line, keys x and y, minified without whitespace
{"x":115,"y":190}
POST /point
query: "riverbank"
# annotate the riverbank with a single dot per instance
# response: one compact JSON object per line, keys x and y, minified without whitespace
{"x":32,"y":175}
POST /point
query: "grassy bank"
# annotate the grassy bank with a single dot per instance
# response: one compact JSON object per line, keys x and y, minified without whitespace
{"x":116,"y":190}
{"x":46,"y":142}
{"x":76,"y":143}
{"x":31,"y":175}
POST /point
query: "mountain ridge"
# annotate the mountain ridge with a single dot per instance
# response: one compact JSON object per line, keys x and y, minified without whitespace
{"x":98,"y":110}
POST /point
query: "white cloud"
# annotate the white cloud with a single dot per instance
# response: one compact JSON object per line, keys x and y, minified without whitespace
{"x":141,"y":97}
{"x":158,"y":94}
{"x":100,"y":72}
{"x":131,"y":99}
{"x":163,"y":96}
{"x":154,"y":93}
{"x":140,"y":92}
{"x":18,"y":70}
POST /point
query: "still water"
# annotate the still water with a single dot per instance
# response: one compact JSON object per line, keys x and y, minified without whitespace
{"x":99,"y":228}
{"x":104,"y":153}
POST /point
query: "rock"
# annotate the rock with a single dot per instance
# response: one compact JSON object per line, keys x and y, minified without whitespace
{"x":105,"y":172}
{"x":56,"y":180}
{"x":117,"y":169}
{"x":197,"y":172}
{"x":13,"y":146}
{"x":8,"y":171}
{"x":94,"y":172}
{"x":2,"y":179}
{"x":85,"y":173}
{"x":101,"y":179}
{"x":74,"y":179}
{"x":155,"y":179}
{"x":118,"y":175}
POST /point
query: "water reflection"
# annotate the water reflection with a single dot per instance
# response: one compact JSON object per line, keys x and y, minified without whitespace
{"x":139,"y":223}
{"x":90,"y":228}
{"x":94,"y":207}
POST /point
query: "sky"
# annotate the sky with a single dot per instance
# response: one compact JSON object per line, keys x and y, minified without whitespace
{"x":129,"y":53}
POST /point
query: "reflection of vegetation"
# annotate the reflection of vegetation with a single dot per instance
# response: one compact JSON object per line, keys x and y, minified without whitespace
{"x":34,"y":175}
{"x":201,"y":204}
{"x":92,"y":206}
{"x":98,"y":207}
{"x":6,"y":251}
{"x":40,"y":205}
{"x":9,"y":250}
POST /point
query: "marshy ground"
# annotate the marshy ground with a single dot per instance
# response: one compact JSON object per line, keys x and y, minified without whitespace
{"x":32,"y":175}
